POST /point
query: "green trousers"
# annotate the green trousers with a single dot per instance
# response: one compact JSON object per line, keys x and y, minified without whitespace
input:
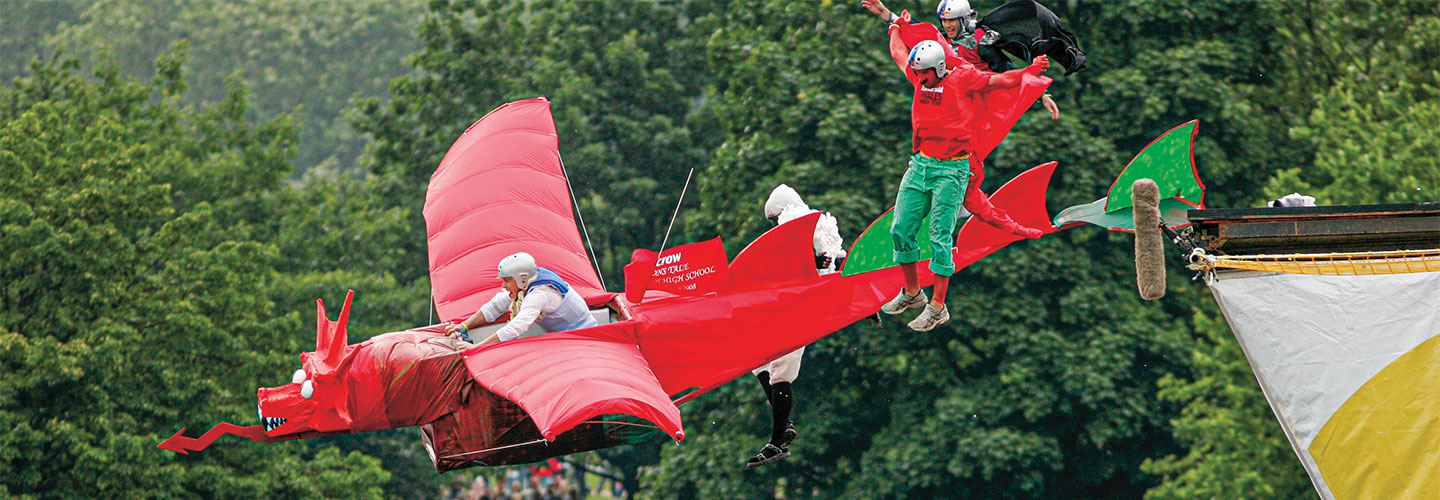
{"x":933,"y":188}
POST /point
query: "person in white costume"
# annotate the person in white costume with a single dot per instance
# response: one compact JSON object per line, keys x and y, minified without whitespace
{"x":785,"y":205}
{"x":532,"y":295}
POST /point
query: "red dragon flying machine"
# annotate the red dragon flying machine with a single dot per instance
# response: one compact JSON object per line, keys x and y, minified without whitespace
{"x":502,"y":189}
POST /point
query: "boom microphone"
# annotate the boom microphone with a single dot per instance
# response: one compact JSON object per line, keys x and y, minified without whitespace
{"x":1149,"y":243}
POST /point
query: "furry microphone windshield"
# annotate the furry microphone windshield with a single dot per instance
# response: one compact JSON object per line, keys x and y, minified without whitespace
{"x":1149,"y":243}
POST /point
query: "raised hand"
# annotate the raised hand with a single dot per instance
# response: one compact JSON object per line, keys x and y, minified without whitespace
{"x":876,"y":7}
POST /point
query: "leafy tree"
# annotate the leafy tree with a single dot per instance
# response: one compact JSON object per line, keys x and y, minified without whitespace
{"x":306,"y":57}
{"x":1372,"y":127}
{"x":25,"y":24}
{"x":133,"y":303}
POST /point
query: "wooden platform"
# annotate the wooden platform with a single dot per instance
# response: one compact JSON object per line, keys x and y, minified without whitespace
{"x":1355,"y":228}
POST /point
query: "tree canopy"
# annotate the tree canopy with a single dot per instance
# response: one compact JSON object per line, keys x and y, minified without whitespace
{"x":180,"y":180}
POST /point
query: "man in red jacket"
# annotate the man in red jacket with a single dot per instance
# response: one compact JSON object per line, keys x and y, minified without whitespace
{"x":938,"y":179}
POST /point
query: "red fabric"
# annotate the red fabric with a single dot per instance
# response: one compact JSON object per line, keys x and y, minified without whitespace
{"x":978,"y":204}
{"x":784,"y":253}
{"x":692,"y":269}
{"x":911,"y":34}
{"x":391,"y":380}
{"x":775,"y":304}
{"x":638,"y":273}
{"x":1023,"y":198}
{"x":500,"y":190}
{"x":704,"y":342}
{"x":564,"y":378}
{"x":996,"y":111}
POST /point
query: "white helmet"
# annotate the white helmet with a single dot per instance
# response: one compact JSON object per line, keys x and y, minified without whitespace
{"x":520,"y":266}
{"x":953,"y":9}
{"x":927,"y":55}
{"x":781,"y":198}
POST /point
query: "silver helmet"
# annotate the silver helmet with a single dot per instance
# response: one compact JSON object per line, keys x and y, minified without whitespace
{"x":958,"y":9}
{"x":928,"y":54}
{"x":520,"y":267}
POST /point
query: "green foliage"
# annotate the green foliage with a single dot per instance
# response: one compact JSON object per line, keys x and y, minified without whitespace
{"x":24,"y":25}
{"x":818,"y":118}
{"x":1236,"y":447}
{"x":1373,"y":127}
{"x":307,"y":57}
{"x":132,"y":300}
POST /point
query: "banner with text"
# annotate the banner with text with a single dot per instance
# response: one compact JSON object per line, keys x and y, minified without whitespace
{"x":691,"y":269}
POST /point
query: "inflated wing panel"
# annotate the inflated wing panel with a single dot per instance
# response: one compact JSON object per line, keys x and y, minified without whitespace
{"x":499,"y":190}
{"x":565,"y":378}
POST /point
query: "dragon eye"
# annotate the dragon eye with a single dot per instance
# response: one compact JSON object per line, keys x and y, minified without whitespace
{"x":298,"y":377}
{"x":307,"y":389}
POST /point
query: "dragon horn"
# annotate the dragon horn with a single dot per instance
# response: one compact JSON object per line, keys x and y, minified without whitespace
{"x":331,"y":337}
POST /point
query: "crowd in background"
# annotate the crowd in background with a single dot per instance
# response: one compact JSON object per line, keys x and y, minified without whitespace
{"x":548,"y":480}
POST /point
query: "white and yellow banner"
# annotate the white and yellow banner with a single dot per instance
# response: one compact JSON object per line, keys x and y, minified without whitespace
{"x":1351,"y":367}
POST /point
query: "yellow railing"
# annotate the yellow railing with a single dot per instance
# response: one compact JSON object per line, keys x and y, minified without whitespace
{"x":1333,"y":264}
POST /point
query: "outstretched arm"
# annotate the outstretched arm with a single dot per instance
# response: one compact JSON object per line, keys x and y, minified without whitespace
{"x":1012,"y":78}
{"x":490,"y":311}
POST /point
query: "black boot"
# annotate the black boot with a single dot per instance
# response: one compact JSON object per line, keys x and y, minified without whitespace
{"x":782,"y":430}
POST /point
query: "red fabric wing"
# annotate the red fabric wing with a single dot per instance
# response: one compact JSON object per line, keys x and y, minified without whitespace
{"x":500,"y":190}
{"x":1024,"y":199}
{"x":704,"y":342}
{"x":563,"y":379}
{"x":783,"y":253}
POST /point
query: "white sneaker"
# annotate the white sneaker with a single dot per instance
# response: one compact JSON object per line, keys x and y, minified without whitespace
{"x":929,"y":318}
{"x":902,"y":302}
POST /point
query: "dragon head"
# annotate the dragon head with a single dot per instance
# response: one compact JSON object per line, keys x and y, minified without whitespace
{"x":391,"y":380}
